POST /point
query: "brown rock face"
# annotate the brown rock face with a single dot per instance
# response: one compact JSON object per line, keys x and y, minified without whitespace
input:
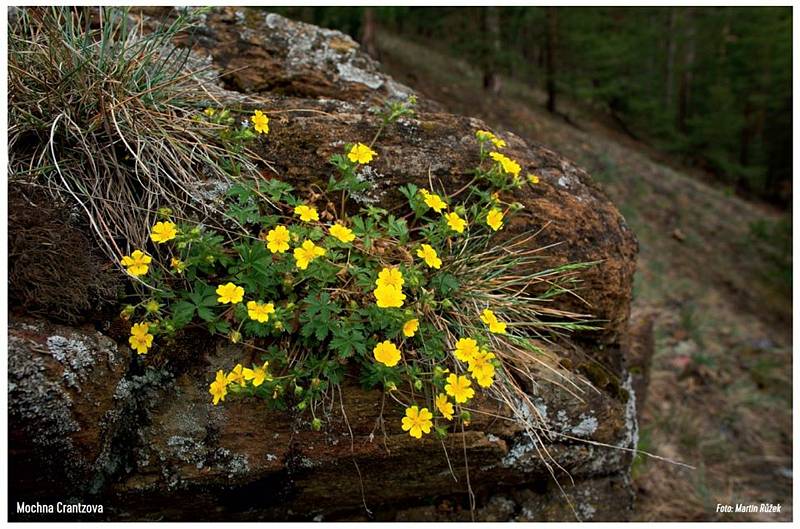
{"x":147,"y":443}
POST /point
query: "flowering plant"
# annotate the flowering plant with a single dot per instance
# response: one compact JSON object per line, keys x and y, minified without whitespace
{"x":435,"y":304}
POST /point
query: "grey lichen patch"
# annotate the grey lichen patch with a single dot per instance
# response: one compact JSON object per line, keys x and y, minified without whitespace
{"x":372,"y":195}
{"x":586,"y":427}
{"x":309,"y":47}
{"x":187,"y":450}
{"x":353,"y":74}
{"x":585,"y":511}
{"x":630,"y":435}
{"x":522,"y":455}
{"x":230,"y":463}
{"x":36,"y":397}
{"x":75,"y":355}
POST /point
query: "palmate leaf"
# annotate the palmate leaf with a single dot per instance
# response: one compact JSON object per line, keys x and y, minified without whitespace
{"x":348,"y":339}
{"x":200,"y":302}
{"x":317,"y":316}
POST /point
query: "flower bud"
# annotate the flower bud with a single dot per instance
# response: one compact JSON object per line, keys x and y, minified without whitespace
{"x":235,"y":336}
{"x":316,"y":424}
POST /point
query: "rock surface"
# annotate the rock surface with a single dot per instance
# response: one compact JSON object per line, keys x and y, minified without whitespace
{"x":147,"y":443}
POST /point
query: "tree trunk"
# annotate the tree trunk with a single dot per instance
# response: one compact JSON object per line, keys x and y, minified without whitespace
{"x":369,"y":33}
{"x":550,"y":58}
{"x":491,"y":25}
{"x":685,"y":91}
{"x":671,"y":49}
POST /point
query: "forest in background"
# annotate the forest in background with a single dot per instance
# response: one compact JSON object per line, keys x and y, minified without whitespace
{"x":710,"y":86}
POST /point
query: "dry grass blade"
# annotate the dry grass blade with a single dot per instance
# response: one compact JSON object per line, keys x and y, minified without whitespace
{"x":102,"y":115}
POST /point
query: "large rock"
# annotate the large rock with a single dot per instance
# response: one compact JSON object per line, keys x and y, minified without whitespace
{"x":146,"y":441}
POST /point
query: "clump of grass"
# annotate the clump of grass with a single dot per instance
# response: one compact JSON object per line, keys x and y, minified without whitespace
{"x":101,"y":115}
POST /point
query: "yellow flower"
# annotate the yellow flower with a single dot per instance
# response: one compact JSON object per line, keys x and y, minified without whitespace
{"x":342,"y":233}
{"x":459,"y":388}
{"x":455,"y":222}
{"x":140,"y":339}
{"x":140,"y":329}
{"x":388,"y":296}
{"x":230,"y":293}
{"x":498,"y":142}
{"x":509,"y":166}
{"x":495,"y":325}
{"x":484,"y":135}
{"x":136,"y":263}
{"x":360,"y":153}
{"x":444,"y":406}
{"x":307,"y":253}
{"x":433,"y":201}
{"x":428,"y":254}
{"x":533,"y":179}
{"x":260,"y":122}
{"x":278,"y":239}
{"x":209,"y":111}
{"x":410,"y":328}
{"x":480,"y":365}
{"x":260,"y":311}
{"x":390,"y":277}
{"x":417,"y":421}
{"x":236,"y":376}
{"x":466,"y":348}
{"x":307,"y":213}
{"x":219,"y":388}
{"x":257,"y":375}
{"x":495,"y":219}
{"x":387,"y":353}
{"x":485,"y":379}
{"x":178,"y":265}
{"x":163,"y":232}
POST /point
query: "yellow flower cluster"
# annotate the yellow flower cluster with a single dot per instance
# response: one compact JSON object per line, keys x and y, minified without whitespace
{"x":485,"y":135}
{"x":389,"y":288}
{"x":279,"y":237}
{"x":508,"y":165}
{"x":137,"y":263}
{"x":238,"y":376}
{"x":496,"y":326}
{"x":478,"y":359}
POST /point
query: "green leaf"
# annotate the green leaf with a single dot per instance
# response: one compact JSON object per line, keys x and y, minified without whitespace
{"x":182,"y":313}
